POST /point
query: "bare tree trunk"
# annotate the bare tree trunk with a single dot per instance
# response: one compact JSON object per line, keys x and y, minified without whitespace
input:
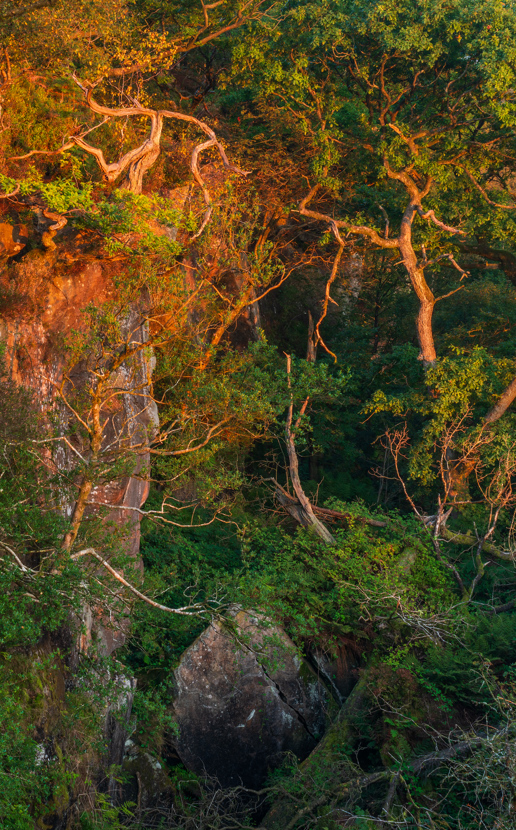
{"x":306,"y":514}
{"x":134,"y":177}
{"x":86,"y":485}
{"x":311,"y":348}
{"x":311,"y":356}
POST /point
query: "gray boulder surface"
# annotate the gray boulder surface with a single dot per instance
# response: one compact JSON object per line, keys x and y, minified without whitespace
{"x":243,"y":699}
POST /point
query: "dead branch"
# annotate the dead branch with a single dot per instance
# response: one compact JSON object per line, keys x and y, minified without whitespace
{"x":16,"y":558}
{"x":500,"y":609}
{"x":337,"y":515}
{"x":391,"y":792}
{"x":292,"y":506}
{"x":187,"y":610}
{"x":306,"y":513}
{"x":327,"y":297}
{"x":155,"y":515}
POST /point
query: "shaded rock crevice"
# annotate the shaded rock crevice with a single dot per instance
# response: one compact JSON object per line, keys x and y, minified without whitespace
{"x":326,"y":677}
{"x":274,"y":684}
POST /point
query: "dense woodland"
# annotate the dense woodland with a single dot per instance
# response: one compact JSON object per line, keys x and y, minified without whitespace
{"x":302,"y":351}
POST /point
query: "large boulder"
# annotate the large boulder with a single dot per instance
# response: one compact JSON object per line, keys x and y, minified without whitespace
{"x":243,"y":699}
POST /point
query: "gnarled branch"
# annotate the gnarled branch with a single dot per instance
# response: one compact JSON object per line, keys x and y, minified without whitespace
{"x":483,"y":191}
{"x":430,"y":214}
{"x":137,"y":161}
{"x":360,"y":230}
{"x":140,"y":159}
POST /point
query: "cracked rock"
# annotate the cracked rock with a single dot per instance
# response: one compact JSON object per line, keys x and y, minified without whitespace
{"x":243,"y":699}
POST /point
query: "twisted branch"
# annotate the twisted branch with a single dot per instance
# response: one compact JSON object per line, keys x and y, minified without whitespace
{"x":138,"y":160}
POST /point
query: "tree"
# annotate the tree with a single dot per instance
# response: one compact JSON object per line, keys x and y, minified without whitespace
{"x":407,"y":111}
{"x":378,"y":147}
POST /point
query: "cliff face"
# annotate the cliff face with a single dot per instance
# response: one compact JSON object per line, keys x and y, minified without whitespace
{"x":44,"y":296}
{"x":45,"y":291}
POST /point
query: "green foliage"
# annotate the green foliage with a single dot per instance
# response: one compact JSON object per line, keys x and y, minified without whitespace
{"x":369,"y":585}
{"x":456,"y":668}
{"x":24,"y":781}
{"x":335,"y":92}
{"x":446,"y":406}
{"x":31,"y":595}
{"x":181,"y":566}
{"x":61,"y":196}
{"x":151,"y":218}
{"x":105,"y":816}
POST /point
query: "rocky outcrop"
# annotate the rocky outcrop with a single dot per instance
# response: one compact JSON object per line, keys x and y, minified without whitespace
{"x":147,"y":783}
{"x":338,"y":669}
{"x":13,"y":239}
{"x":330,"y":762}
{"x":44,"y":295}
{"x":243,"y":699}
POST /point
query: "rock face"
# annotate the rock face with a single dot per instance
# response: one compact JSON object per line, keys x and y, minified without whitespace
{"x":13,"y":239}
{"x":147,"y":783}
{"x":43,"y":297}
{"x":339,"y":670}
{"x":243,"y":701}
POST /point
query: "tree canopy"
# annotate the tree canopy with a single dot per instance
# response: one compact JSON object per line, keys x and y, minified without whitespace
{"x":287,"y":233}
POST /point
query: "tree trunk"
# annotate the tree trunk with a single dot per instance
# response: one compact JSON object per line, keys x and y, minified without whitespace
{"x":424,"y":329}
{"x":417,"y":277}
{"x":307,"y":516}
{"x":503,"y":403}
{"x":457,"y":477}
{"x":133,"y":180}
{"x":311,"y":348}
{"x":86,"y":485}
